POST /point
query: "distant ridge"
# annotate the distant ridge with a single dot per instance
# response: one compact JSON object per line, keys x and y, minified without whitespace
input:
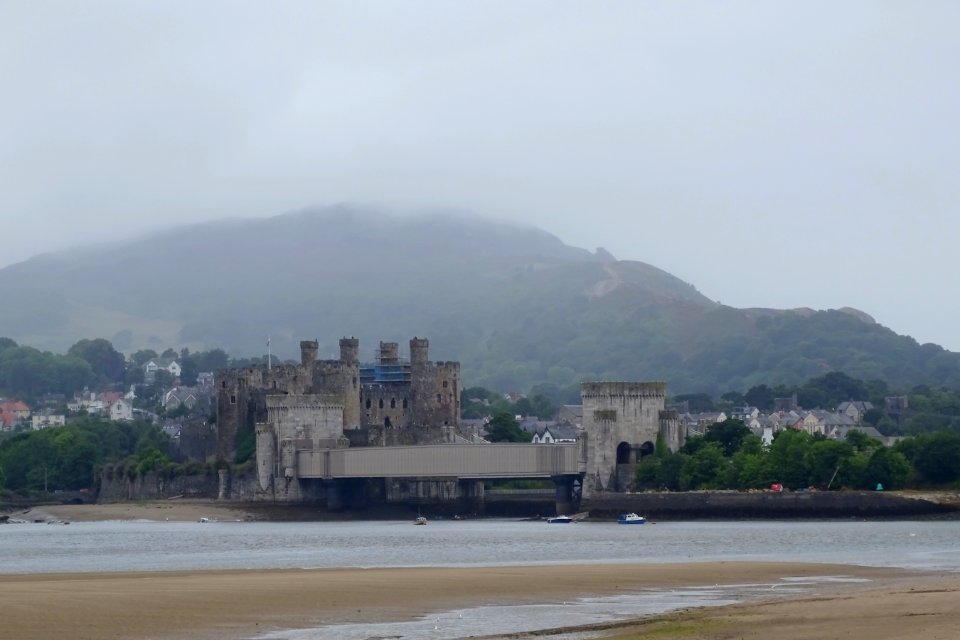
{"x":514,"y":304}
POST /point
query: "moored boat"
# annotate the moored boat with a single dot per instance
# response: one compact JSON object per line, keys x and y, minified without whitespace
{"x":631,"y":518}
{"x":560,"y":520}
{"x":420,"y":520}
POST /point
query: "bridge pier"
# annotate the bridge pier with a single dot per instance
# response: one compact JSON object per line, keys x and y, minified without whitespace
{"x":346,"y":493}
{"x":567,"y":494}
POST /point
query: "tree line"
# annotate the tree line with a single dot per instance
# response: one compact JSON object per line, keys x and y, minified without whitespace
{"x":29,"y":374}
{"x":729,"y":456}
{"x":69,"y":457}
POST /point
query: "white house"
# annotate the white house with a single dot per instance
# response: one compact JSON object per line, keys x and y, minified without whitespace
{"x":44,"y":421}
{"x":121,"y":409}
{"x":170,"y":365}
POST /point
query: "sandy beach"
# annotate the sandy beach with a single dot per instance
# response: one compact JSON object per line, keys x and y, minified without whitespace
{"x":220,"y":605}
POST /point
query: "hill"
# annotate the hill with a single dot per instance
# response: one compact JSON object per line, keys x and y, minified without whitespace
{"x":515,"y":305}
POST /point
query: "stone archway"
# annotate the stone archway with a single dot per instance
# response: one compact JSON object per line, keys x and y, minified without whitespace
{"x":646,"y":449}
{"x":623,"y":453}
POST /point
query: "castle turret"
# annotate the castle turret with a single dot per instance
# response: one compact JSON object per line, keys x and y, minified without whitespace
{"x":308,"y":352}
{"x":389,"y":353}
{"x":418,"y":351}
{"x":349,"y":350}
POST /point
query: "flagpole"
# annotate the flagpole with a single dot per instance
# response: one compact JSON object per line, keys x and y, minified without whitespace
{"x":269,"y":358}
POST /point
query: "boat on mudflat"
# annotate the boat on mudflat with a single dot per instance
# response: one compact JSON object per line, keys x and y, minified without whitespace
{"x":631,"y":518}
{"x":559,"y":520}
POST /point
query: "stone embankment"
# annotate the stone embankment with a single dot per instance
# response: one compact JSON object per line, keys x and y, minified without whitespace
{"x":734,"y":505}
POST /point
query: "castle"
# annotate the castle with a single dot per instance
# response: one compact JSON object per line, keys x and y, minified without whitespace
{"x":319,"y":429}
{"x":339,"y":403}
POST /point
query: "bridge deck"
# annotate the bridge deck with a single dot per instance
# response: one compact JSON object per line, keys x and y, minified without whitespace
{"x":442,"y":460}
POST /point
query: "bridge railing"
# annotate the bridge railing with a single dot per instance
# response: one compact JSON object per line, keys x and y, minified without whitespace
{"x":446,"y":460}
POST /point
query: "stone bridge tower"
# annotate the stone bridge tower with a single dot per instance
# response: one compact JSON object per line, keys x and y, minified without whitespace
{"x":621,"y":422}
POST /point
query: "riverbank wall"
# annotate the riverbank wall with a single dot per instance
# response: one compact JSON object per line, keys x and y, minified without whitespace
{"x":734,"y":505}
{"x":694,"y":505}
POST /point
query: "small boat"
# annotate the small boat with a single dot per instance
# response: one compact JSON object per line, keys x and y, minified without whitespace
{"x":420,"y":520}
{"x":559,"y":520}
{"x":631,"y":518}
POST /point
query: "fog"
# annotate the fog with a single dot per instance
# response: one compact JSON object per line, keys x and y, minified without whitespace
{"x":772,"y":154}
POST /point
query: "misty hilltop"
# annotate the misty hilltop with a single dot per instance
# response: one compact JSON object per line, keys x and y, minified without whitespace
{"x":515,"y":305}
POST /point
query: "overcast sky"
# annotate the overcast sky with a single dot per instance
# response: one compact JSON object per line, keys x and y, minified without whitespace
{"x":778,"y":154}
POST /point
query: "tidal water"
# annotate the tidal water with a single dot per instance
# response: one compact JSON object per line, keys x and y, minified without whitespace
{"x":168,"y":546}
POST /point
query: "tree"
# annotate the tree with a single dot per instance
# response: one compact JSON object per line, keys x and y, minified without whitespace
{"x":787,"y":459}
{"x":728,"y":434}
{"x":831,"y":389}
{"x":143,"y":356}
{"x":504,"y":428}
{"x":824,"y":458}
{"x":539,"y":406}
{"x":873,"y":416}
{"x":212,"y":360}
{"x":189,"y":371}
{"x":937,"y":456}
{"x":696,"y":402}
{"x":760,"y":396}
{"x":704,"y":469}
{"x":102,"y":357}
{"x":861,"y":441}
{"x":888,"y":468}
{"x":733,"y":398}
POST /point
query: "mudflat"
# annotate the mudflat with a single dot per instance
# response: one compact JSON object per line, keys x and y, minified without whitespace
{"x":217,"y":605}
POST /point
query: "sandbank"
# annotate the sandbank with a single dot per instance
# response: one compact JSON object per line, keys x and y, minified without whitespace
{"x":214,"y":605}
{"x":160,"y":510}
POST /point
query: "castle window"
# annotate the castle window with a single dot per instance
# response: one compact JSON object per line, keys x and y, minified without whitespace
{"x":368,"y":403}
{"x":404,"y":403}
{"x":381,"y":403}
{"x":438,"y":399}
{"x":354,"y":382}
{"x":224,"y":384}
{"x":233,"y":399}
{"x":393,"y":403}
{"x":444,"y":384}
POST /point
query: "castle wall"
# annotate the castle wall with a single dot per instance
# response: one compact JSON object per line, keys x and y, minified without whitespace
{"x":387,"y":405}
{"x":312,"y":420}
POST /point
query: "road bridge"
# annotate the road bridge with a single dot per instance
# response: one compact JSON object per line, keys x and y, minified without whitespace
{"x":463,"y":461}
{"x":336,"y":467}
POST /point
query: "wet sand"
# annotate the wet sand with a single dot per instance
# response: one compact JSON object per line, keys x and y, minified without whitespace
{"x":160,"y":510}
{"x":239,"y":604}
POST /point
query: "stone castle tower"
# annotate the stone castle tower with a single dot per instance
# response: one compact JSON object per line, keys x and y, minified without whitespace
{"x":621,"y":423}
